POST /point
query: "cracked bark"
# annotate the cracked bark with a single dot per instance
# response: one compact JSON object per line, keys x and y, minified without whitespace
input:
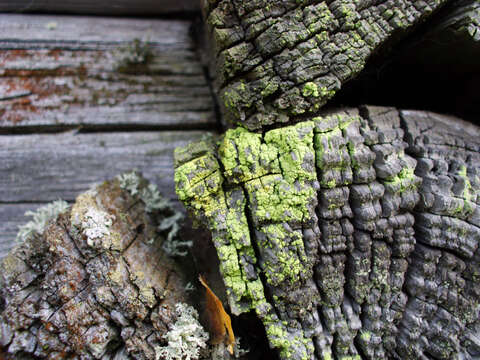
{"x":65,"y":296}
{"x":361,"y":225}
{"x":278,"y":60}
{"x":366,"y":247}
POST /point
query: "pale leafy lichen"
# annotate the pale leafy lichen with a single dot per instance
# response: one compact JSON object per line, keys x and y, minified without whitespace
{"x":130,"y":182}
{"x":168,"y":220}
{"x":186,"y":336}
{"x":41,"y":217}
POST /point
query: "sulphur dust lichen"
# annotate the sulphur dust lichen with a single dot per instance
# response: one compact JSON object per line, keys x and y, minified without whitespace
{"x":220,"y":322}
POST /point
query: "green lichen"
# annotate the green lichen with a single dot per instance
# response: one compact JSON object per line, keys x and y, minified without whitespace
{"x":288,"y":343}
{"x":236,"y":98}
{"x":466,"y":205}
{"x":199,"y":185}
{"x":245,"y":157}
{"x":284,"y":268}
{"x":333,"y":157}
{"x":405,"y":180}
{"x":294,"y":145}
{"x":310,"y":89}
{"x":274,"y":177}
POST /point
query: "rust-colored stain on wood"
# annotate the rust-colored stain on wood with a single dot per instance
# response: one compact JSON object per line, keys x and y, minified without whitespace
{"x":220,"y":322}
{"x":75,"y":87}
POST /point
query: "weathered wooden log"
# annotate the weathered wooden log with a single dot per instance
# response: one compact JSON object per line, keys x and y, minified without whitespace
{"x":352,"y":235}
{"x":277,"y":62}
{"x":97,"y":281}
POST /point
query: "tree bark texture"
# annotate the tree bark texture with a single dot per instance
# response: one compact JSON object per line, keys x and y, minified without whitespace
{"x":352,"y":235}
{"x":95,"y":284}
{"x":277,"y":61}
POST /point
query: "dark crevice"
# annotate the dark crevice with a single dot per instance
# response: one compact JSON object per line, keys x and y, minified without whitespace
{"x":51,"y":8}
{"x":359,"y":347}
{"x":427,"y":70}
{"x":251,"y":332}
{"x":89,"y":129}
{"x":251,"y":230}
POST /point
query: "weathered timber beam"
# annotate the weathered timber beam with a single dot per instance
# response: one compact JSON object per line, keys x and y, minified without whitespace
{"x":100,"y":73}
{"x":352,"y":235}
{"x":279,"y":61}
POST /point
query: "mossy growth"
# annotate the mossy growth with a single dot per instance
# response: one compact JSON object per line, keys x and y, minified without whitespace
{"x":245,"y":157}
{"x":133,"y":56}
{"x":405,"y":180}
{"x":283,"y":267}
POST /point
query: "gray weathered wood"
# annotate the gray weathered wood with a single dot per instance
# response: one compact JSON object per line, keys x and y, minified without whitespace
{"x":37,"y":169}
{"x":81,"y":30}
{"x":11,"y":217}
{"x":70,"y":71}
{"x":359,"y":231}
{"x":109,"y":7}
{"x":43,"y":168}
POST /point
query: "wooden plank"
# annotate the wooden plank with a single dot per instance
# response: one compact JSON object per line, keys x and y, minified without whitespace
{"x":84,"y":31}
{"x":106,"y":7}
{"x":75,"y":75}
{"x":46,"y":167}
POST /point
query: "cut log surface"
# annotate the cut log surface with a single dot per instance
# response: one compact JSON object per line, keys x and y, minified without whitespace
{"x":90,"y":285}
{"x":94,"y":72}
{"x":352,"y":235}
{"x":105,"y":7}
{"x":280,"y":60}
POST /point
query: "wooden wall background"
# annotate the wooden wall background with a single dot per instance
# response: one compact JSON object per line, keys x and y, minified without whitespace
{"x":70,"y":118}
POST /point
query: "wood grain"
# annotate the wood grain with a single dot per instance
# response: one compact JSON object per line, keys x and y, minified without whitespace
{"x":11,"y":217}
{"x":64,"y":71}
{"x":46,"y":167}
